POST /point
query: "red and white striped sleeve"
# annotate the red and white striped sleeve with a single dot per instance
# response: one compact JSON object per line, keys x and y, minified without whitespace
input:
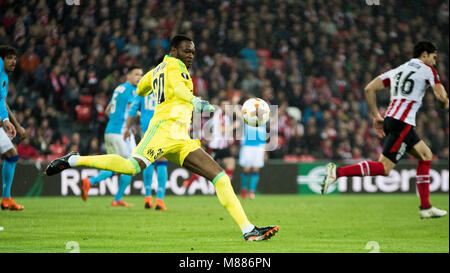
{"x":386,"y":77}
{"x":432,"y":77}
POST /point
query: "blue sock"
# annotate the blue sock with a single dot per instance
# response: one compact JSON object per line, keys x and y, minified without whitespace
{"x":9,"y":165}
{"x":148,"y":177}
{"x":244,"y":180}
{"x":161,"y":171}
{"x":102,"y":175}
{"x":124,"y":181}
{"x":254,"y":177}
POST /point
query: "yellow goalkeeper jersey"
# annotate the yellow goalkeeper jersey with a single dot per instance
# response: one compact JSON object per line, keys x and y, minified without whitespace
{"x":172,"y":86}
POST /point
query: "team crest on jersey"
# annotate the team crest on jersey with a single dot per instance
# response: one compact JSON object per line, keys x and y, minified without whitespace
{"x":184,"y":75}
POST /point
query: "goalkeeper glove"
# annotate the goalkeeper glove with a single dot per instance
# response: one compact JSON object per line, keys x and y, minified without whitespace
{"x":201,"y":105}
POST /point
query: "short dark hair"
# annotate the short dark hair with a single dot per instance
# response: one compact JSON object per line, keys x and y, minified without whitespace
{"x":6,"y":50}
{"x":422,"y":46}
{"x":178,"y":39}
{"x":133,"y":67}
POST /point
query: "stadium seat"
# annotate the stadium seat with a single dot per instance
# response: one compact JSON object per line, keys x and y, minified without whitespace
{"x":83,"y":113}
{"x":306,"y":158}
{"x":57,"y":150}
{"x":319,"y":82}
{"x":290,"y":158}
{"x":41,"y":158}
{"x":65,"y":139}
{"x":86,"y":99}
{"x":50,"y":158}
{"x":263,"y":53}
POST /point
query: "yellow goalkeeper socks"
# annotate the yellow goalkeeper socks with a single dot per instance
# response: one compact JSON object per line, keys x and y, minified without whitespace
{"x":229,"y":201}
{"x":110,"y":162}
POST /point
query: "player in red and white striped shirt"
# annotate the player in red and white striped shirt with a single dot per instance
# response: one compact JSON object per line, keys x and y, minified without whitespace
{"x":219,"y":141}
{"x":408,"y":84}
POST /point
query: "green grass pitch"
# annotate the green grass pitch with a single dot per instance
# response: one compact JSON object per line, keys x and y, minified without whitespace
{"x":308,"y":223}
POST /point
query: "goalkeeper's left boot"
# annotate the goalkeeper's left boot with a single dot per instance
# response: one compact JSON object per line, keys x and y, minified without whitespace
{"x":330,"y":177}
{"x":120,"y":203}
{"x":261,"y":233}
{"x":431,"y":212}
{"x":160,"y":204}
{"x":59,"y":164}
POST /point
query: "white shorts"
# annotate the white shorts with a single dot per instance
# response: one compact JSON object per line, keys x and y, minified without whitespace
{"x":5,"y":142}
{"x":251,"y":156}
{"x":116,"y":145}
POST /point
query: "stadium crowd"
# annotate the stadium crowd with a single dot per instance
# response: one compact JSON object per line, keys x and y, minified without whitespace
{"x":315,"y":56}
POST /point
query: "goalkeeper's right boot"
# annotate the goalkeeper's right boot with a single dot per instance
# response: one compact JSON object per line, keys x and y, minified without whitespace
{"x":85,"y":188}
{"x":59,"y":164}
{"x":261,"y":233}
{"x":431,"y":212}
{"x":330,"y":177}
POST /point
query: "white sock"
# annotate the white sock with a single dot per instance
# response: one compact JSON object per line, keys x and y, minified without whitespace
{"x":247,"y":228}
{"x":73,"y":160}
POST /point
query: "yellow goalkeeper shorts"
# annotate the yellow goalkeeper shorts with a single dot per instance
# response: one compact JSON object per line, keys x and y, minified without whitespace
{"x":165,"y":138}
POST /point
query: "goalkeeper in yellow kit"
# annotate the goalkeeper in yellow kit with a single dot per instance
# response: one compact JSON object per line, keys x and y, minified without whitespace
{"x":167,"y":135}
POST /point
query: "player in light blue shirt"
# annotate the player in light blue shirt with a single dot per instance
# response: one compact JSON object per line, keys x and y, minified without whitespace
{"x":4,"y":81}
{"x":8,"y":128}
{"x":122,"y":97}
{"x":147,"y":106}
{"x":117,"y":110}
{"x":251,"y":158}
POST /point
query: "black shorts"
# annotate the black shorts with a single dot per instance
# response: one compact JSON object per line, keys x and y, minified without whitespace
{"x":400,"y":138}
{"x":218,"y":154}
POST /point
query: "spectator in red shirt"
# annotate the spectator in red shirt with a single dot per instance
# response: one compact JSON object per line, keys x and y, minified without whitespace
{"x":26,"y":150}
{"x":29,"y":61}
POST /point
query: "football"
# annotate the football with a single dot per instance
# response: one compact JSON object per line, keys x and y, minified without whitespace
{"x":255,"y":112}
